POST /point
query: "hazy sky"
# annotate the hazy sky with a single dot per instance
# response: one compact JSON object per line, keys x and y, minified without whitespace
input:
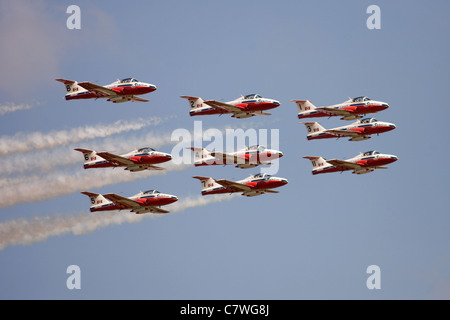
{"x":313,"y":240}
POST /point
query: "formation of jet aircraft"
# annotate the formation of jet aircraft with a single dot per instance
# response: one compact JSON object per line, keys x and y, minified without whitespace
{"x":361,"y":129}
{"x":247,"y":106}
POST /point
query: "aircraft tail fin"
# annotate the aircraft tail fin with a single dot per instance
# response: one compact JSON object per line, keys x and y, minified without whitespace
{"x":97,"y":200}
{"x":71,"y":86}
{"x":194,"y":102}
{"x":304,"y":105}
{"x":312,"y":127}
{"x":201,"y":155}
{"x":207,"y":182}
{"x":316,"y":162}
{"x":89,"y":155}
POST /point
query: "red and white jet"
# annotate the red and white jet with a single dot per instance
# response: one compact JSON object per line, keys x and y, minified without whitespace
{"x":119,"y":91}
{"x":252,"y":186}
{"x":248,"y":157}
{"x":243,"y":107}
{"x":143,"y":202}
{"x":357,"y":131}
{"x":349,"y":110}
{"x":363,"y":163}
{"x":136,"y":160}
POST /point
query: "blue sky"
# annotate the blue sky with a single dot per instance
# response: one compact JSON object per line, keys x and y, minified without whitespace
{"x":313,"y":240}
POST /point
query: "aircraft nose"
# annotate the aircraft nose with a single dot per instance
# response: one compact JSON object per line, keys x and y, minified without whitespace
{"x":392,"y":157}
{"x":280,"y":154}
{"x":285,"y":181}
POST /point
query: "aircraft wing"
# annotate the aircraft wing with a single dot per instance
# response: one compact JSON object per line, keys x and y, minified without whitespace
{"x":235,"y":186}
{"x":139,"y":99}
{"x":332,"y":111}
{"x":122,"y":202}
{"x":115,"y":158}
{"x":149,"y":209}
{"x":223,"y":106}
{"x":136,"y":168}
{"x":99,"y":90}
{"x":270,"y":191}
{"x":344,"y":164}
{"x":344,"y":133}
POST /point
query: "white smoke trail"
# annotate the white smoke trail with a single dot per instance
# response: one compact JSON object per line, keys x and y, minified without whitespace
{"x":26,"y":232}
{"x":32,"y":188}
{"x":11,"y":107}
{"x":44,"y":161}
{"x":56,"y":184}
{"x":24,"y":142}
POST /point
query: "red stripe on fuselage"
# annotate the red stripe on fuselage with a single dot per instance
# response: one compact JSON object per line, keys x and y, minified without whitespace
{"x":133,"y":90}
{"x":375,"y":162}
{"x":156,"y":201}
{"x":149,"y":159}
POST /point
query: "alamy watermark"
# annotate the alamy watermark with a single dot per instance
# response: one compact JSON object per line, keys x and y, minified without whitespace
{"x":374,"y":280}
{"x":74,"y":280}
{"x":233,"y":140}
{"x":74,"y":20}
{"x":374,"y":21}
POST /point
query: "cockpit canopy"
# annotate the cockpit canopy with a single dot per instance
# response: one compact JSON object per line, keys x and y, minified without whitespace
{"x":370,"y":153}
{"x":368,"y":120}
{"x":256,"y":147}
{"x":252,"y":96}
{"x":265,"y":176}
{"x":128,"y":80}
{"x":360,"y":99}
{"x":151,"y":192}
{"x":145,"y":150}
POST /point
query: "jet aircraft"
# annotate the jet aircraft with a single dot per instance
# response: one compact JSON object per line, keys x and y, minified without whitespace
{"x":143,"y":202}
{"x":243,"y":107}
{"x":136,"y":160}
{"x":254,"y":185}
{"x":363,"y":163}
{"x":119,"y":91}
{"x":357,"y":131}
{"x":349,"y":110}
{"x":248,"y":157}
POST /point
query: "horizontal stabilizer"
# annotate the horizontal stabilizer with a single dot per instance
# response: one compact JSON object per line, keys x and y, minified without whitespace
{"x":90,"y":194}
{"x":190,"y":98}
{"x":84,"y":150}
{"x":65,"y":81}
{"x":201,"y":178}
